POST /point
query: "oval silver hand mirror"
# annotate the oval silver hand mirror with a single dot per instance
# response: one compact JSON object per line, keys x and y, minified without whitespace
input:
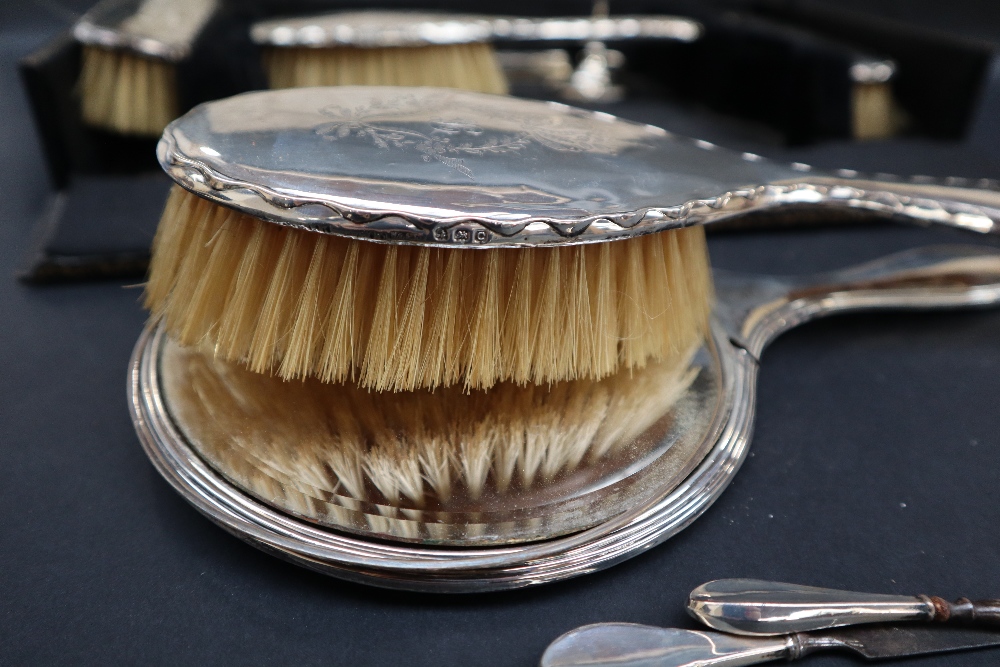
{"x":452,"y":169}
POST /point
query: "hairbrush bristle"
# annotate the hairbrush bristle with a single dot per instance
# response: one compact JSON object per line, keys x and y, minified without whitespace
{"x":398,"y":318}
{"x":127,"y":93}
{"x":420,"y":450}
{"x":466,"y":66}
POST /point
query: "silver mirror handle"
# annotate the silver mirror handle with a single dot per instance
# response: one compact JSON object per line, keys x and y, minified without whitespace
{"x":756,"y":310}
{"x":973,"y":205}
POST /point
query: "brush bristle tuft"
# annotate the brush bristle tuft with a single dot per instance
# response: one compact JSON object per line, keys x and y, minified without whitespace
{"x":875,"y":114}
{"x":127,"y":93}
{"x":466,"y":66}
{"x":398,"y":318}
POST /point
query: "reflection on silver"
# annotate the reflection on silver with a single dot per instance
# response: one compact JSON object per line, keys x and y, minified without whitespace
{"x":373,"y":29}
{"x":548,"y":67}
{"x":163,"y":29}
{"x":753,"y":607}
{"x":426,"y":166}
{"x":273,"y":440}
{"x":752,"y":311}
{"x":592,"y":81}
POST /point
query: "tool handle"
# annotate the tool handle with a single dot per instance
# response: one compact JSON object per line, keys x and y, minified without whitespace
{"x":964,"y":610}
{"x":758,"y":607}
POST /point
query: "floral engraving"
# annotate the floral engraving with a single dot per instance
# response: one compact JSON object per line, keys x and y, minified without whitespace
{"x":448,"y":141}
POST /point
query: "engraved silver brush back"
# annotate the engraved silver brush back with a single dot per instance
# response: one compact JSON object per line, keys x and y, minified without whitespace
{"x":444,"y":167}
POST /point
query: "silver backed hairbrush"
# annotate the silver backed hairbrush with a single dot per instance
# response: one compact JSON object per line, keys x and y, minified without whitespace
{"x":459,"y":168}
{"x":128,"y":82}
{"x":431,"y":267}
{"x":380,"y":47}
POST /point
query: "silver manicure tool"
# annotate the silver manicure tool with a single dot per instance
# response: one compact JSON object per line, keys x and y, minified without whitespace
{"x":632,"y":645}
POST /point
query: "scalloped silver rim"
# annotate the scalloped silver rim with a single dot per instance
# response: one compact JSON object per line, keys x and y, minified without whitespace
{"x":392,"y":226}
{"x":459,"y":231}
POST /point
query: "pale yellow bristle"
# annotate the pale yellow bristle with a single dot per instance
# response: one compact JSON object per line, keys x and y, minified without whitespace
{"x":475,"y":458}
{"x":875,"y":114}
{"x":127,"y":93}
{"x":421,"y":449}
{"x":383,"y":470}
{"x":399,"y":318}
{"x":382,"y":332}
{"x":518,"y":330}
{"x":466,"y":66}
{"x":437,"y":463}
{"x":276,"y":319}
{"x":339,"y":334}
{"x":483,"y":365}
{"x":406,"y":348}
{"x":170,"y":245}
{"x":303,"y":338}
{"x":506,"y":453}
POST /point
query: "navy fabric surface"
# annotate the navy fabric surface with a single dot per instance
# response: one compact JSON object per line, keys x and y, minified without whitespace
{"x":874,"y":466}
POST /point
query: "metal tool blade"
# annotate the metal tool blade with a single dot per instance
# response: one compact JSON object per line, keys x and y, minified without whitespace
{"x":878,"y":642}
{"x":631,"y":645}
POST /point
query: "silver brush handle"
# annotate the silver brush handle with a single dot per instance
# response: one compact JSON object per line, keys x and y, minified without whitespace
{"x":757,"y":309}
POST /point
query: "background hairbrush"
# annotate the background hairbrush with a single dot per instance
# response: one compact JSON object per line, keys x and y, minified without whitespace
{"x":100,"y":562}
{"x":130,"y":52}
{"x":805,"y":109}
{"x":392,"y":56}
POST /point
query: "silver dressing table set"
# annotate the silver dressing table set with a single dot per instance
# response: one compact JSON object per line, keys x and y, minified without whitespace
{"x":444,"y":168}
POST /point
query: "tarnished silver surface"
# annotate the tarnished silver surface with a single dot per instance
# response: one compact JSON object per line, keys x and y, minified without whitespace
{"x":632,"y":645}
{"x":372,"y":29}
{"x":934,"y":277}
{"x":163,"y":29}
{"x":443,"y":167}
{"x":754,"y":607}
